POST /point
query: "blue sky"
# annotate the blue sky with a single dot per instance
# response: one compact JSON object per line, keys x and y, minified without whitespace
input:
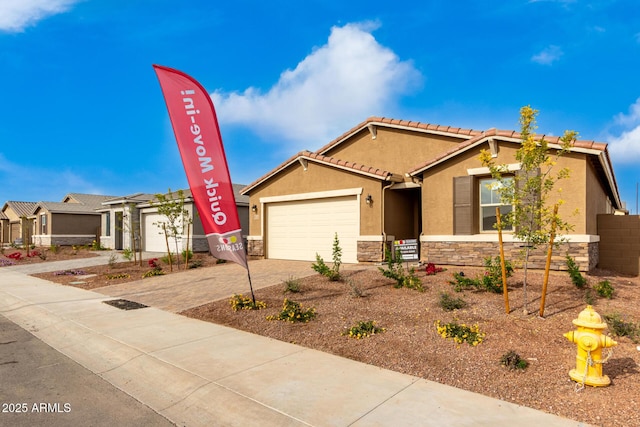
{"x":81,"y":109}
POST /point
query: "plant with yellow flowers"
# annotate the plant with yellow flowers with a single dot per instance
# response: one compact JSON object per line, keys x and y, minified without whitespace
{"x":363,"y":329}
{"x":460,"y":332}
{"x":240,"y":302}
{"x":293,"y":312}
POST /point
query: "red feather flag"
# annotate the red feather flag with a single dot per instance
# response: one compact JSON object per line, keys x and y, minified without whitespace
{"x":195,"y":126}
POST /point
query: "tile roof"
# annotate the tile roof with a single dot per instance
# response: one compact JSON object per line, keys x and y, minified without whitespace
{"x":505,"y":134}
{"x":21,"y":208}
{"x":319,"y":158}
{"x":3,"y":216}
{"x":62,"y":207}
{"x":92,"y":200}
{"x":406,"y":124}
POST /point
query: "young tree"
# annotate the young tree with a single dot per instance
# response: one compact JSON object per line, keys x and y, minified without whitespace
{"x":171,"y":206}
{"x":529,"y":190}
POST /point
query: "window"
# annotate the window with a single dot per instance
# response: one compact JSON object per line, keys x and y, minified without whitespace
{"x":108,"y":225}
{"x":489,"y":200}
{"x":43,"y":224}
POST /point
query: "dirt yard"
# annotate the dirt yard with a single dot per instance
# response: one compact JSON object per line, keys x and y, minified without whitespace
{"x":411,"y":344}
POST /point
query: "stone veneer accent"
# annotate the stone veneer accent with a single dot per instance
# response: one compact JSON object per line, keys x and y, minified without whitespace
{"x":370,"y":251}
{"x":255,"y":248}
{"x":474,"y":253}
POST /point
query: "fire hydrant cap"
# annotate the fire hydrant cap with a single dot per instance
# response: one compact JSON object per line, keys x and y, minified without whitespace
{"x":588,"y":318}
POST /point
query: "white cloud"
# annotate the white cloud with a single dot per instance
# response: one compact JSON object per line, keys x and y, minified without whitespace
{"x":625,"y":148}
{"x":548,"y":55}
{"x":335,"y":87}
{"x":16,"y":15}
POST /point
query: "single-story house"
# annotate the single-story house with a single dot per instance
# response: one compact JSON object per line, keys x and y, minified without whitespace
{"x":139,"y":214}
{"x":73,"y":221}
{"x":17,"y":221}
{"x":387,"y":180}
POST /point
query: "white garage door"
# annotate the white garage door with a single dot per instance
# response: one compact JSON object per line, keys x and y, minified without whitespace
{"x":154,"y":240}
{"x":298,"y":230}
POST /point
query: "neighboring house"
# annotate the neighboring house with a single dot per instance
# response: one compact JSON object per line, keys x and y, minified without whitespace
{"x":138,"y":213}
{"x":74,"y":221}
{"x":18,"y":224}
{"x":387,"y":180}
{"x":4,"y":228}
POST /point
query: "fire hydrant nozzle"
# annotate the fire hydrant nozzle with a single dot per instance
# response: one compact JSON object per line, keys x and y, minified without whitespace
{"x":590,"y":342}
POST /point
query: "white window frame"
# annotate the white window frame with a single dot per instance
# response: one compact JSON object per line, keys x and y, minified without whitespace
{"x":483,"y":182}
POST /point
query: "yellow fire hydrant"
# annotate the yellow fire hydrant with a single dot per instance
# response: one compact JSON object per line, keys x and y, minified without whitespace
{"x":590,"y":341}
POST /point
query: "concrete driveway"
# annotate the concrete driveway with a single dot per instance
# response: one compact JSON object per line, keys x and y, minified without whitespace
{"x":180,"y":291}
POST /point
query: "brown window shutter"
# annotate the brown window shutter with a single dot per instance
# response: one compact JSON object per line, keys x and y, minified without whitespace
{"x":463,"y":205}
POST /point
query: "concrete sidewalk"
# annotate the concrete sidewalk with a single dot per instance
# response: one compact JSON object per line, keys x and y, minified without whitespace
{"x":196,"y":373}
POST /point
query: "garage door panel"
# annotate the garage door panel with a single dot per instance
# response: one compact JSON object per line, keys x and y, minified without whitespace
{"x":300,"y":229}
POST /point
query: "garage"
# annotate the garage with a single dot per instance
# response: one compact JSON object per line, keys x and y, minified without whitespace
{"x":297,"y":230}
{"x":154,"y":240}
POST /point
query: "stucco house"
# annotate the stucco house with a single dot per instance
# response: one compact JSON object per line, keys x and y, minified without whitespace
{"x":73,"y":221}
{"x":17,"y":221}
{"x":137,"y":212}
{"x":386,"y":180}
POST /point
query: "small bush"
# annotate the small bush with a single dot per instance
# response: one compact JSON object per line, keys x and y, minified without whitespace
{"x":460,"y":333}
{"x":291,"y":285}
{"x":97,"y":246}
{"x":54,"y":249}
{"x":512,"y":360}
{"x":449,"y":303}
{"x":153,"y":272}
{"x":574,"y":272}
{"x":165,"y":259}
{"x":622,"y":328}
{"x":431,"y":269}
{"x":117,"y":276}
{"x":490,"y":281}
{"x":127,"y":254}
{"x":333,"y":273}
{"x":293,"y":312}
{"x":69,"y":273}
{"x":113,"y":258}
{"x":363,"y":329}
{"x":604,"y":289}
{"x":240,"y":302}
{"x":395,"y":271}
{"x":589,"y":298}
{"x":195,"y":263}
{"x":6,"y":262}
{"x":187,"y":255}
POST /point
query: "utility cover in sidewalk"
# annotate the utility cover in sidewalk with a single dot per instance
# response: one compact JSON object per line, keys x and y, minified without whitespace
{"x":124,"y":304}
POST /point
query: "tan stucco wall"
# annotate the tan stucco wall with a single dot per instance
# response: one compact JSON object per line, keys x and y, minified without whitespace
{"x":437,"y":189}
{"x":394,"y":150}
{"x":597,"y":201}
{"x":317,"y":177}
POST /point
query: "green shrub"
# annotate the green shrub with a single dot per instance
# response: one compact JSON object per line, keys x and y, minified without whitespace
{"x":195,"y":263}
{"x":127,"y":254}
{"x":187,"y":255}
{"x":333,"y":273}
{"x":291,"y":285}
{"x":240,"y":302}
{"x":512,"y":360}
{"x":490,"y":281}
{"x":622,"y":328}
{"x":574,"y":272}
{"x":165,"y":259}
{"x":293,"y":312}
{"x":604,"y":289}
{"x":112,"y":259}
{"x":449,"y":303}
{"x":363,"y":329}
{"x":117,"y":276}
{"x":153,"y":272}
{"x":54,"y":249}
{"x":395,"y":271}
